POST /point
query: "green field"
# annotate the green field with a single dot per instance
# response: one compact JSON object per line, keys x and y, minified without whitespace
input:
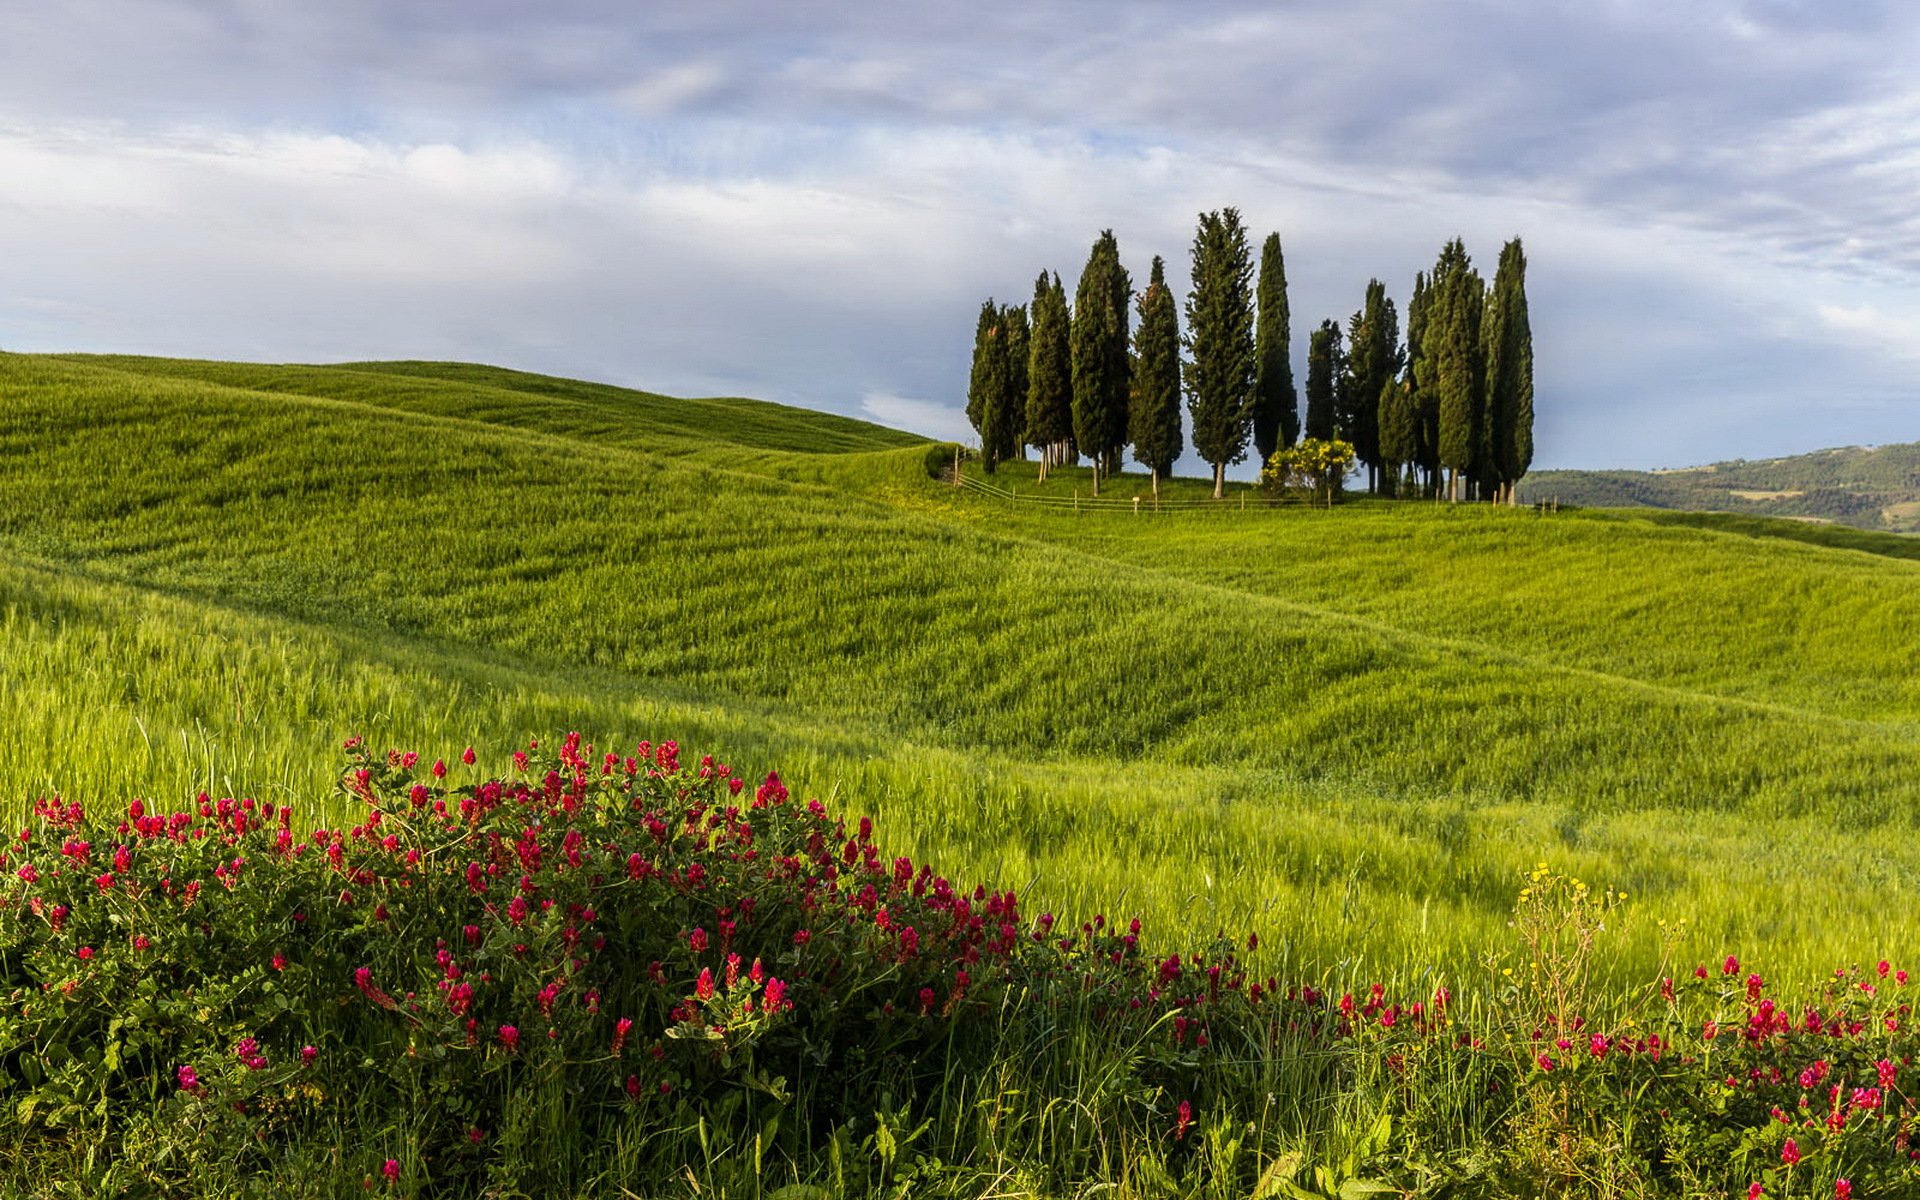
{"x":1350,"y":730}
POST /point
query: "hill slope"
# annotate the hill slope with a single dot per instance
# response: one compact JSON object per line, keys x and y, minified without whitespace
{"x":1867,"y":487}
{"x":1354,"y":725}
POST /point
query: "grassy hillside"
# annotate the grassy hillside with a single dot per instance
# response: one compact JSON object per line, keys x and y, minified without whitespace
{"x":1866,"y":487}
{"x":1350,"y":729}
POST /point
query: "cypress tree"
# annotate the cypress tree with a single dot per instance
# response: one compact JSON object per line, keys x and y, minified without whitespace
{"x":1459,"y":379}
{"x":1013,"y":395}
{"x":1049,"y":425}
{"x":1373,"y":356}
{"x":1219,"y":378}
{"x":1399,"y":430}
{"x":1154,"y":414}
{"x":1422,"y":395}
{"x":1508,"y":351}
{"x":1098,"y":339}
{"x":993,"y":385}
{"x":980,"y":383}
{"x":1276,"y":405}
{"x":1324,"y":359}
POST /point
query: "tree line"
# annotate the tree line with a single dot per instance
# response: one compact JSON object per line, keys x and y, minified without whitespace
{"x":1445,"y":411}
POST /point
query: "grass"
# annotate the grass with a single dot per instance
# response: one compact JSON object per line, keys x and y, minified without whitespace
{"x":1349,"y":729}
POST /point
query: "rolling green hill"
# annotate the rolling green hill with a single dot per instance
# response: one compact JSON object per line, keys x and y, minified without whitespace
{"x":1866,"y":487}
{"x":1348,"y":728}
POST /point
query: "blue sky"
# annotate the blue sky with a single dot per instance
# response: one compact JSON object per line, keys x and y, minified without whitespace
{"x":807,"y":201}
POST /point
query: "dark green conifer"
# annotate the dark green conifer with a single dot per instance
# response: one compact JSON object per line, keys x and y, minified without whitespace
{"x":1373,"y":357}
{"x":1324,"y":364}
{"x":1100,"y":359}
{"x":1154,"y":415}
{"x":980,"y":381}
{"x":1399,"y":431}
{"x":1049,"y":425}
{"x":1508,"y":353}
{"x":1219,"y":377}
{"x":1453,"y":325}
{"x":1276,"y":405}
{"x":1013,"y":395}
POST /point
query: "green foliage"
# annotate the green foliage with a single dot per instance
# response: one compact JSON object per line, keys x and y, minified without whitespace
{"x":595,"y":968}
{"x":1220,"y":372}
{"x":1154,"y":421}
{"x":1326,"y":362}
{"x":1311,"y":467}
{"x":984,"y":381}
{"x":1423,"y":379}
{"x":1049,"y":366}
{"x":1098,"y":340}
{"x":1010,"y":385}
{"x":1373,"y":357}
{"x":1276,"y":406}
{"x":940,"y":458}
{"x":1508,"y":355}
{"x":1459,"y":372}
{"x":1399,"y":428}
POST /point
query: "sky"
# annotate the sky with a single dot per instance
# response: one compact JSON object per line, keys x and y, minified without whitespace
{"x":807,"y":201}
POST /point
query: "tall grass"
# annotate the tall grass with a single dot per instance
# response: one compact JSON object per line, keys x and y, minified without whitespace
{"x":1350,"y":730}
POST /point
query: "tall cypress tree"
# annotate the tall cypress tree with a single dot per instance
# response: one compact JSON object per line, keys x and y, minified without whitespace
{"x":1154,"y":415}
{"x":994,"y":385}
{"x":1100,"y":360}
{"x":1399,"y":431}
{"x":1049,"y":374}
{"x":1014,"y":343}
{"x":980,"y":383}
{"x":1459,"y":378}
{"x":1373,"y":356}
{"x":1219,"y":378}
{"x":1508,"y":350}
{"x":1276,"y":405}
{"x":1324,"y":360}
{"x":1422,"y":393}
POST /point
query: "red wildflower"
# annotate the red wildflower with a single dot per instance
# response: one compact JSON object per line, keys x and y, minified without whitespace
{"x":1790,"y":1153}
{"x":1184,"y":1119}
{"x":510,"y":1038}
{"x":703,"y":987}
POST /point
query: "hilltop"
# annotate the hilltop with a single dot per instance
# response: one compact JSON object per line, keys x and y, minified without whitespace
{"x":1875,"y":487}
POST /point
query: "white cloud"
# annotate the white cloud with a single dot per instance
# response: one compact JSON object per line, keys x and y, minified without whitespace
{"x":936,"y":420}
{"x":808,"y":202}
{"x":1896,"y":334}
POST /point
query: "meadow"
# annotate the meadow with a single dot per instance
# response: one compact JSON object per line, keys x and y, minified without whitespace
{"x":1353,"y":731}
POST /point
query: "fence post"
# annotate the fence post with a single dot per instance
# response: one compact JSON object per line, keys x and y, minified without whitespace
{"x":1136,"y":506}
{"x":1076,"y":499}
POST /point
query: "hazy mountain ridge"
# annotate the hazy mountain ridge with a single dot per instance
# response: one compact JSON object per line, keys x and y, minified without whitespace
{"x":1868,"y":487}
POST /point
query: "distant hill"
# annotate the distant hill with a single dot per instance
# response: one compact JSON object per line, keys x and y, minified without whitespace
{"x":1876,"y":487}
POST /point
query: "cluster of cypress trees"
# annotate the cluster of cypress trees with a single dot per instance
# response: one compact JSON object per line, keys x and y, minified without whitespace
{"x":1448,"y":412}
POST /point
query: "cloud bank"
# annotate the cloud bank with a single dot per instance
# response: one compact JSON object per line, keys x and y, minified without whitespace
{"x":808,"y":202}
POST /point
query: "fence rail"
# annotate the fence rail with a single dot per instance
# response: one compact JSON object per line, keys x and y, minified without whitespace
{"x":1135,"y":504}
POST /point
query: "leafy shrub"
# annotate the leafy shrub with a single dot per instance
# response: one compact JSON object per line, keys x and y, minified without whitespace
{"x":940,"y":458}
{"x":1311,"y":467}
{"x":606,"y":968}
